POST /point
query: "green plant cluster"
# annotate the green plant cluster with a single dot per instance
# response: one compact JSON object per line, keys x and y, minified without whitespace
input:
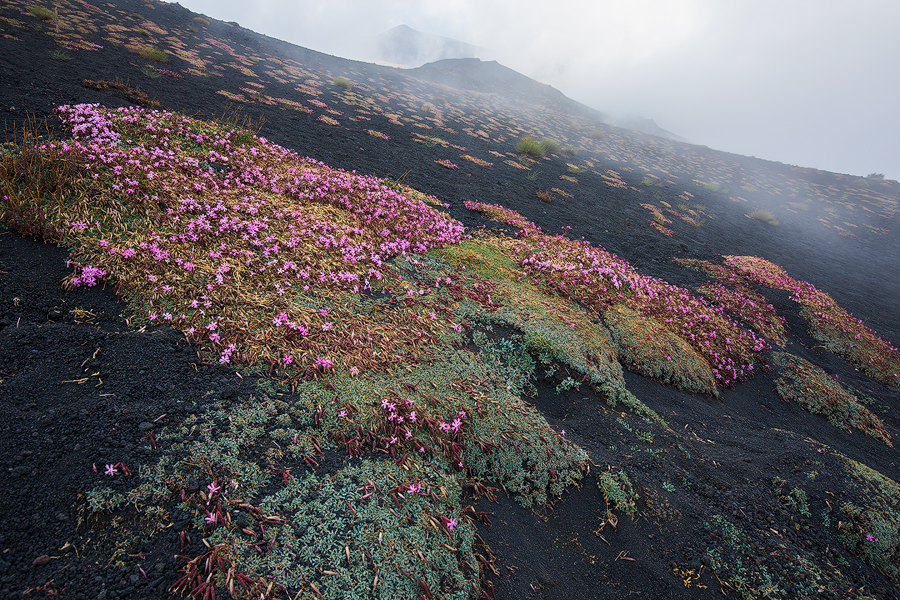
{"x":874,"y":528}
{"x":732,"y":555}
{"x":795,"y":499}
{"x":618,"y":493}
{"x":810,"y":387}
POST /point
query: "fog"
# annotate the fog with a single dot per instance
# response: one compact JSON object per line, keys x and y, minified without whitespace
{"x":814,"y":83}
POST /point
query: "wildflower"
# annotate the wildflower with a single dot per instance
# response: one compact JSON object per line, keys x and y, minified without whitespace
{"x":456,"y":424}
{"x":444,"y":426}
{"x":214,"y":487}
{"x":288,"y":359}
{"x":871,"y":537}
{"x":111,"y":470}
{"x":342,"y":414}
{"x":210,"y":518}
{"x":354,"y":371}
{"x":451,"y":523}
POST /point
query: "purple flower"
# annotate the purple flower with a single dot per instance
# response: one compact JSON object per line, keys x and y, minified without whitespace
{"x":214,"y":487}
{"x":211,"y":518}
{"x":451,"y":523}
{"x":111,"y":470}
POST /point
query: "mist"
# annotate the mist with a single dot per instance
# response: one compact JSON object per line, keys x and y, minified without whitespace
{"x":810,"y":83}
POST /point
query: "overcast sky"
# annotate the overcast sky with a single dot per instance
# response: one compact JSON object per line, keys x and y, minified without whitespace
{"x":814,"y":83}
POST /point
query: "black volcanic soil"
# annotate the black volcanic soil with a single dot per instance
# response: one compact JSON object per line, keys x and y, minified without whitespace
{"x":80,"y":388}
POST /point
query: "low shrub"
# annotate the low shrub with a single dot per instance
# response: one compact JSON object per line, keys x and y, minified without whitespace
{"x":201,"y":20}
{"x":597,"y":134}
{"x":343,"y":83}
{"x":570,"y":150}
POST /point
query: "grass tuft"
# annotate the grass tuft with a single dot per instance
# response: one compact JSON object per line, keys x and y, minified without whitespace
{"x":343,"y":83}
{"x":155,"y":54}
{"x":42,"y":12}
{"x":766,"y":216}
{"x":550,"y":146}
{"x":530,"y":147}
{"x":57,"y":54}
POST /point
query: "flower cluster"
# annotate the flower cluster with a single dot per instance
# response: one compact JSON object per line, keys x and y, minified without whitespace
{"x":230,"y":210}
{"x":841,"y":333}
{"x":597,"y":279}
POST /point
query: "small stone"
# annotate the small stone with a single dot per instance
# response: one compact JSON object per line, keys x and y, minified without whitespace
{"x":41,"y":560}
{"x":145,"y":426}
{"x":61,"y":517}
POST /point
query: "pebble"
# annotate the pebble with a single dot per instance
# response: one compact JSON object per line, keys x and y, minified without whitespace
{"x":41,"y":560}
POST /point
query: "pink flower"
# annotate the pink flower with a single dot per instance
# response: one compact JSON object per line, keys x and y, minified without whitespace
{"x":451,"y":523}
{"x":111,"y":470}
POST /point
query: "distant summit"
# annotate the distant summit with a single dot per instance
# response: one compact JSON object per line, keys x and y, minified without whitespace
{"x":403,"y":46}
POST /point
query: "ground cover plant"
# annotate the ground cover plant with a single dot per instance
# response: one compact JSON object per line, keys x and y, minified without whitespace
{"x":325,"y":383}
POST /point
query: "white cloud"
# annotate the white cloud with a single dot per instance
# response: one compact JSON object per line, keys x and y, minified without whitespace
{"x":810,"y":82}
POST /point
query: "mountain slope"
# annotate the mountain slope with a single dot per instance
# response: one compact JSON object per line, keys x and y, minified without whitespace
{"x":780,"y":484}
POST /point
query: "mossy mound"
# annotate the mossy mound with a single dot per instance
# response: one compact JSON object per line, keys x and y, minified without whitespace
{"x":651,"y":350}
{"x":812,"y":388}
